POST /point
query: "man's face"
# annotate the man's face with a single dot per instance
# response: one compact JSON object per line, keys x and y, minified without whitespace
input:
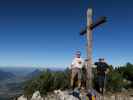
{"x":78,"y":55}
{"x":101,"y":60}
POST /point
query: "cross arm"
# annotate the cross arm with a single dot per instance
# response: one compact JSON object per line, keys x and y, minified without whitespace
{"x":100,"y":21}
{"x":83,"y":31}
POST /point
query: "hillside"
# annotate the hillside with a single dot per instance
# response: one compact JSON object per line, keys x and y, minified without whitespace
{"x":6,"y":75}
{"x":34,"y":73}
{"x":12,"y":82}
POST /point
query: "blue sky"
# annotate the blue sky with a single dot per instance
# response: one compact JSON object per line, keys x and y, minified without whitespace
{"x":46,"y":32}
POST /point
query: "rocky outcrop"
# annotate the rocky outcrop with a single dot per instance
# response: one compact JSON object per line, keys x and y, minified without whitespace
{"x":22,"y":98}
{"x":60,"y":95}
{"x":68,"y":95}
{"x":36,"y":96}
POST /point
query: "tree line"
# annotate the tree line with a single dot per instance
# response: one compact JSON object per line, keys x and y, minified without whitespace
{"x":119,"y":78}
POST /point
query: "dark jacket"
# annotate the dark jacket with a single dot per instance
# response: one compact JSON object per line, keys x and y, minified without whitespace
{"x":101,"y":67}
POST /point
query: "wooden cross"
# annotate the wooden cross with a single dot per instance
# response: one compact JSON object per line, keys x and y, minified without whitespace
{"x":88,"y":32}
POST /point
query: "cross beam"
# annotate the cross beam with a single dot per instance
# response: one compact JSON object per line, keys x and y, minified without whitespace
{"x":88,"y":32}
{"x":99,"y":22}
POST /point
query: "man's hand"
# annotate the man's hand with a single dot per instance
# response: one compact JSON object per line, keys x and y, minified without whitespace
{"x":79,"y":62}
{"x":70,"y":67}
{"x":107,"y":71}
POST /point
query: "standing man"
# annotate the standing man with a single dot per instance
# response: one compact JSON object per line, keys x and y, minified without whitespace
{"x":102,"y":71}
{"x":76,"y":68}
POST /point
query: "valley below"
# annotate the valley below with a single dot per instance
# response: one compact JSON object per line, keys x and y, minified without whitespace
{"x":12,"y":81}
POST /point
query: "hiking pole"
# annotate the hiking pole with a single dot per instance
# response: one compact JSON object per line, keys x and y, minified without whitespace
{"x":104,"y":84}
{"x":104,"y":87}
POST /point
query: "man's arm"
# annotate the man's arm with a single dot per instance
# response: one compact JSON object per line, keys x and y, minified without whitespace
{"x":72,"y":64}
{"x":107,"y":68}
{"x":81,"y":63}
{"x":96,"y":63}
{"x":97,"y":68}
{"x":107,"y":71}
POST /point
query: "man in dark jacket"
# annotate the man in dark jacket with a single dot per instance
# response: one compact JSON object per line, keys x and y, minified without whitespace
{"x":102,"y":71}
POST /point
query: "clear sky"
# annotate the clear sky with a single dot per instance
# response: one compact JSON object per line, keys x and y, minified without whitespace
{"x":46,"y":32}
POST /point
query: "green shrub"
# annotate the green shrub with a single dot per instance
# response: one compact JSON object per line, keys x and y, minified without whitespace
{"x":48,"y":81}
{"x":115,"y":82}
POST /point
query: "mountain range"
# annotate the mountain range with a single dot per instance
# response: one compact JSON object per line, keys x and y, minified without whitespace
{"x":6,"y":75}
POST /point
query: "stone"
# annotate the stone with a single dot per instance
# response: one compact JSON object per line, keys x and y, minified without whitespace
{"x":36,"y":96}
{"x":64,"y":95}
{"x":22,"y":98}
